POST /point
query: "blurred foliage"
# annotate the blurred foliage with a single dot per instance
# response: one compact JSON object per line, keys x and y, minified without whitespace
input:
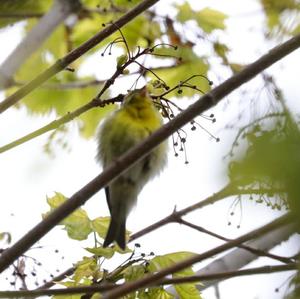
{"x":147,"y":30}
{"x":6,"y":237}
{"x":187,"y":290}
{"x":207,"y":19}
{"x":272,"y":161}
{"x":21,"y":8}
{"x":282,"y":17}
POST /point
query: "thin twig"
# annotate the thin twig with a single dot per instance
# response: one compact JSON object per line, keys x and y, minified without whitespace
{"x":227,"y":191}
{"x":59,"y":11}
{"x":96,"y":102}
{"x":174,"y":217}
{"x":255,"y":251}
{"x":179,"y":280}
{"x":159,"y":276}
{"x":75,"y":54}
{"x":138,"y":152}
{"x":230,"y":274}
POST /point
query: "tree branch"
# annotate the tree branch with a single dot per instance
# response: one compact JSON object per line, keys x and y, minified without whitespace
{"x":238,"y":258}
{"x":96,"y":102}
{"x":59,"y":122}
{"x":75,"y":54}
{"x":36,"y":37}
{"x":230,"y":274}
{"x":70,"y":115}
{"x":85,"y":84}
{"x":255,"y":251}
{"x":157,"y":277}
{"x":179,"y":280}
{"x":173,"y":217}
{"x":138,"y":152}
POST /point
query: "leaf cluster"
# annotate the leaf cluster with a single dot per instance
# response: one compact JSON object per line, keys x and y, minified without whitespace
{"x":90,"y":271}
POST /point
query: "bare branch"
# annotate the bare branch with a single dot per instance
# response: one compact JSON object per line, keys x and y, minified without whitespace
{"x":174,"y":217}
{"x":96,"y":102}
{"x":138,"y":152}
{"x":239,"y":258}
{"x":36,"y":37}
{"x":75,"y":54}
{"x":255,"y":251}
{"x":85,"y":84}
{"x":230,"y":274}
{"x":194,"y":278}
{"x":159,"y":276}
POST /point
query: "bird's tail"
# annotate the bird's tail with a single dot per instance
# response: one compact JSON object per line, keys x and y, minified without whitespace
{"x":116,"y":232}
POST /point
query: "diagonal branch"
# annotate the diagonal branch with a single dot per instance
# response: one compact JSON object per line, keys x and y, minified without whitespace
{"x":138,"y":152}
{"x":59,"y":122}
{"x":70,"y":115}
{"x":75,"y":54}
{"x":179,"y":280}
{"x":255,"y":251}
{"x":60,"y":10}
{"x":95,"y":102}
{"x":239,"y":258}
{"x":173,"y":217}
{"x":160,"y":275}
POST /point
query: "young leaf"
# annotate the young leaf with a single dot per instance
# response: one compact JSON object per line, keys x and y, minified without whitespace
{"x":185,"y":291}
{"x":102,"y":252}
{"x":86,"y":268}
{"x":78,"y":224}
{"x":208,"y":19}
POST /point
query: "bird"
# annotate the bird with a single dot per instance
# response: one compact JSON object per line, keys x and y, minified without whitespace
{"x":136,"y":119}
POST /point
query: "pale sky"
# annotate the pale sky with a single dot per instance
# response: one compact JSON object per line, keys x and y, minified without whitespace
{"x":28,"y":174}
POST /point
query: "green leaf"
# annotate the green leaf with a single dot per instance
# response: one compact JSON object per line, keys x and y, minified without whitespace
{"x":69,"y":284}
{"x":86,"y":268}
{"x":100,"y":226}
{"x":208,"y":19}
{"x":275,"y":8}
{"x":155,"y":293}
{"x":185,"y":291}
{"x":62,"y":101}
{"x":78,"y":224}
{"x":273,"y":160}
{"x":221,"y":50}
{"x":134,"y":272}
{"x":102,"y":252}
{"x":139,"y":32}
{"x":163,"y":261}
{"x":88,"y":27}
{"x":22,"y":7}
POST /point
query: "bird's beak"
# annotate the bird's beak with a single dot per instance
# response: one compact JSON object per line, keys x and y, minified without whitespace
{"x":144,"y":91}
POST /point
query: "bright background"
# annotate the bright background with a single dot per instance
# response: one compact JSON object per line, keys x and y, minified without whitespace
{"x":28,"y":175}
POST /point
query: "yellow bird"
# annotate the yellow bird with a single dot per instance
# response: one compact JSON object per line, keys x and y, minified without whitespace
{"x":136,"y":119}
